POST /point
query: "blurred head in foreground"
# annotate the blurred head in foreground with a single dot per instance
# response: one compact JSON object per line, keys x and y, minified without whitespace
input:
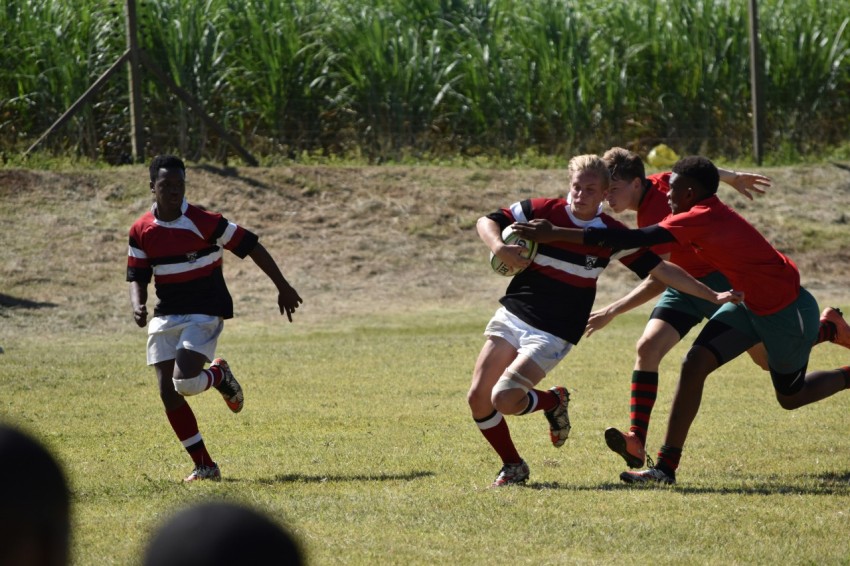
{"x":221,"y":533}
{"x":35,"y":509}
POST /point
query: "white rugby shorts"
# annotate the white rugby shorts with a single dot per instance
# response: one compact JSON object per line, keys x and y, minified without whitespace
{"x":544,"y":349}
{"x":169,"y":333}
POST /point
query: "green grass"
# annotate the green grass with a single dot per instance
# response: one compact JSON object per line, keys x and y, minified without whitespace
{"x":388,"y":80}
{"x":356,"y":435}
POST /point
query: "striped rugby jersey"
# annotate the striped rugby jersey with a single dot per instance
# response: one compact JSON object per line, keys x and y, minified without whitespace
{"x":556,"y":292}
{"x":184,"y":257}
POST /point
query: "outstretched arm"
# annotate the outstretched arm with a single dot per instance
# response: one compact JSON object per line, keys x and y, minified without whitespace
{"x":646,"y":290}
{"x":541,"y":230}
{"x":287,"y":297}
{"x":674,"y":276}
{"x":744,"y":182}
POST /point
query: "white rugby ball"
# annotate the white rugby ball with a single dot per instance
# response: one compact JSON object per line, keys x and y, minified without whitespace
{"x":510,"y":237}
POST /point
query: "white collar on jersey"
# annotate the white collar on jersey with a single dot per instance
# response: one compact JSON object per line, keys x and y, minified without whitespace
{"x":577,"y":221}
{"x":183,"y":206}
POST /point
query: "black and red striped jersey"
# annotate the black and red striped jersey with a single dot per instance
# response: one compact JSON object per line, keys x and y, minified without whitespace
{"x":184,"y":257}
{"x":556,"y":292}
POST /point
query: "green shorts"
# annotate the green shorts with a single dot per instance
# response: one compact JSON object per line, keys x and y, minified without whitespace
{"x":788,"y":335}
{"x":676,"y":300}
{"x":683,"y":311}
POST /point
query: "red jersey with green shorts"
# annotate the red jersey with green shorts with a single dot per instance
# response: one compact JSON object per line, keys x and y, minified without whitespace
{"x":722,"y":238}
{"x":653,"y":208}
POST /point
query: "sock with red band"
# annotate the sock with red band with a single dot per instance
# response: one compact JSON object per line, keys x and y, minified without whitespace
{"x":643,"y":395}
{"x":495,"y":430}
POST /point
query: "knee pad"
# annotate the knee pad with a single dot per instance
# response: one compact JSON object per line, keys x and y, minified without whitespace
{"x":512,"y":380}
{"x":192,"y":385}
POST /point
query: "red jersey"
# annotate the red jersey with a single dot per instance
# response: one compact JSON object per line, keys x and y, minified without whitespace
{"x":722,"y":238}
{"x":654,"y":208}
{"x":185,"y":257}
{"x":556,"y":292}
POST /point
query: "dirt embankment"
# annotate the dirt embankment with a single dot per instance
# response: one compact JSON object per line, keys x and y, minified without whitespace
{"x":352,"y":240}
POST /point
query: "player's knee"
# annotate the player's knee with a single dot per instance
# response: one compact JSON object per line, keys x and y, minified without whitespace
{"x":509,"y":391}
{"x":698,"y":363}
{"x":648,"y":352}
{"x":191,"y":385}
{"x":787,"y":403}
{"x":478,"y":399}
{"x":787,"y":387}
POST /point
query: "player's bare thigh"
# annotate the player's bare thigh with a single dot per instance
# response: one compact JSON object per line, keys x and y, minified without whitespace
{"x":658,"y":338}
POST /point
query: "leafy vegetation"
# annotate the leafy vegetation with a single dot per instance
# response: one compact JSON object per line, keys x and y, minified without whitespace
{"x":394,"y":80}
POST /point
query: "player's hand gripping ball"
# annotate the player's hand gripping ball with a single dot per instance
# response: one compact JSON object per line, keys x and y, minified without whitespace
{"x":511,"y":238}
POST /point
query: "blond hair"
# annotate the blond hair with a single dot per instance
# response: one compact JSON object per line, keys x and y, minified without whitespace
{"x":592,"y":163}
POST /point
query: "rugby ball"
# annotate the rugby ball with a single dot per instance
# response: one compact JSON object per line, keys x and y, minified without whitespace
{"x":510,"y":237}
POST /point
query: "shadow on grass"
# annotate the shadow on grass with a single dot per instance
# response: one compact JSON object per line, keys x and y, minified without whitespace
{"x":11,"y":302}
{"x":294,"y":478}
{"x":833,"y":483}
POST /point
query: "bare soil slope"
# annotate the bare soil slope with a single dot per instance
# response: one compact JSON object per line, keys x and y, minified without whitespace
{"x":352,"y":240}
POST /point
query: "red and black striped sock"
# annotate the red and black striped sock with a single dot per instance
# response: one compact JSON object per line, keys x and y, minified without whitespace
{"x":643,"y":395}
{"x":826,"y":332}
{"x":668,"y":459}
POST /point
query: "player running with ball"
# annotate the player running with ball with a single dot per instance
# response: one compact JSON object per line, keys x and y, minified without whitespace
{"x":778,"y":311}
{"x":545,"y":309}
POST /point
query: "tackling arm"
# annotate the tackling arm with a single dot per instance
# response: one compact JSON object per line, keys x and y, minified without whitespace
{"x":543,"y":231}
{"x":674,"y":276}
{"x":646,"y":290}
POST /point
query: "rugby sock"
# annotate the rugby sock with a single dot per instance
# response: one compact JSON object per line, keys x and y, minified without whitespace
{"x":533,"y":398}
{"x":216,"y":375}
{"x":495,"y":430}
{"x":546,"y":400}
{"x":185,"y":426}
{"x":540,"y":401}
{"x":643,"y":394}
{"x":668,"y":459}
{"x":826,"y":332}
{"x":845,"y":371}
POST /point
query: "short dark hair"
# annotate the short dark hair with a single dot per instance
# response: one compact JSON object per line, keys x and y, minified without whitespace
{"x":623,"y":164}
{"x":165,"y":162}
{"x":701,"y":171}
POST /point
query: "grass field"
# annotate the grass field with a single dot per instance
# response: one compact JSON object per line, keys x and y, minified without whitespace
{"x":355,"y":431}
{"x":358,"y":438}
